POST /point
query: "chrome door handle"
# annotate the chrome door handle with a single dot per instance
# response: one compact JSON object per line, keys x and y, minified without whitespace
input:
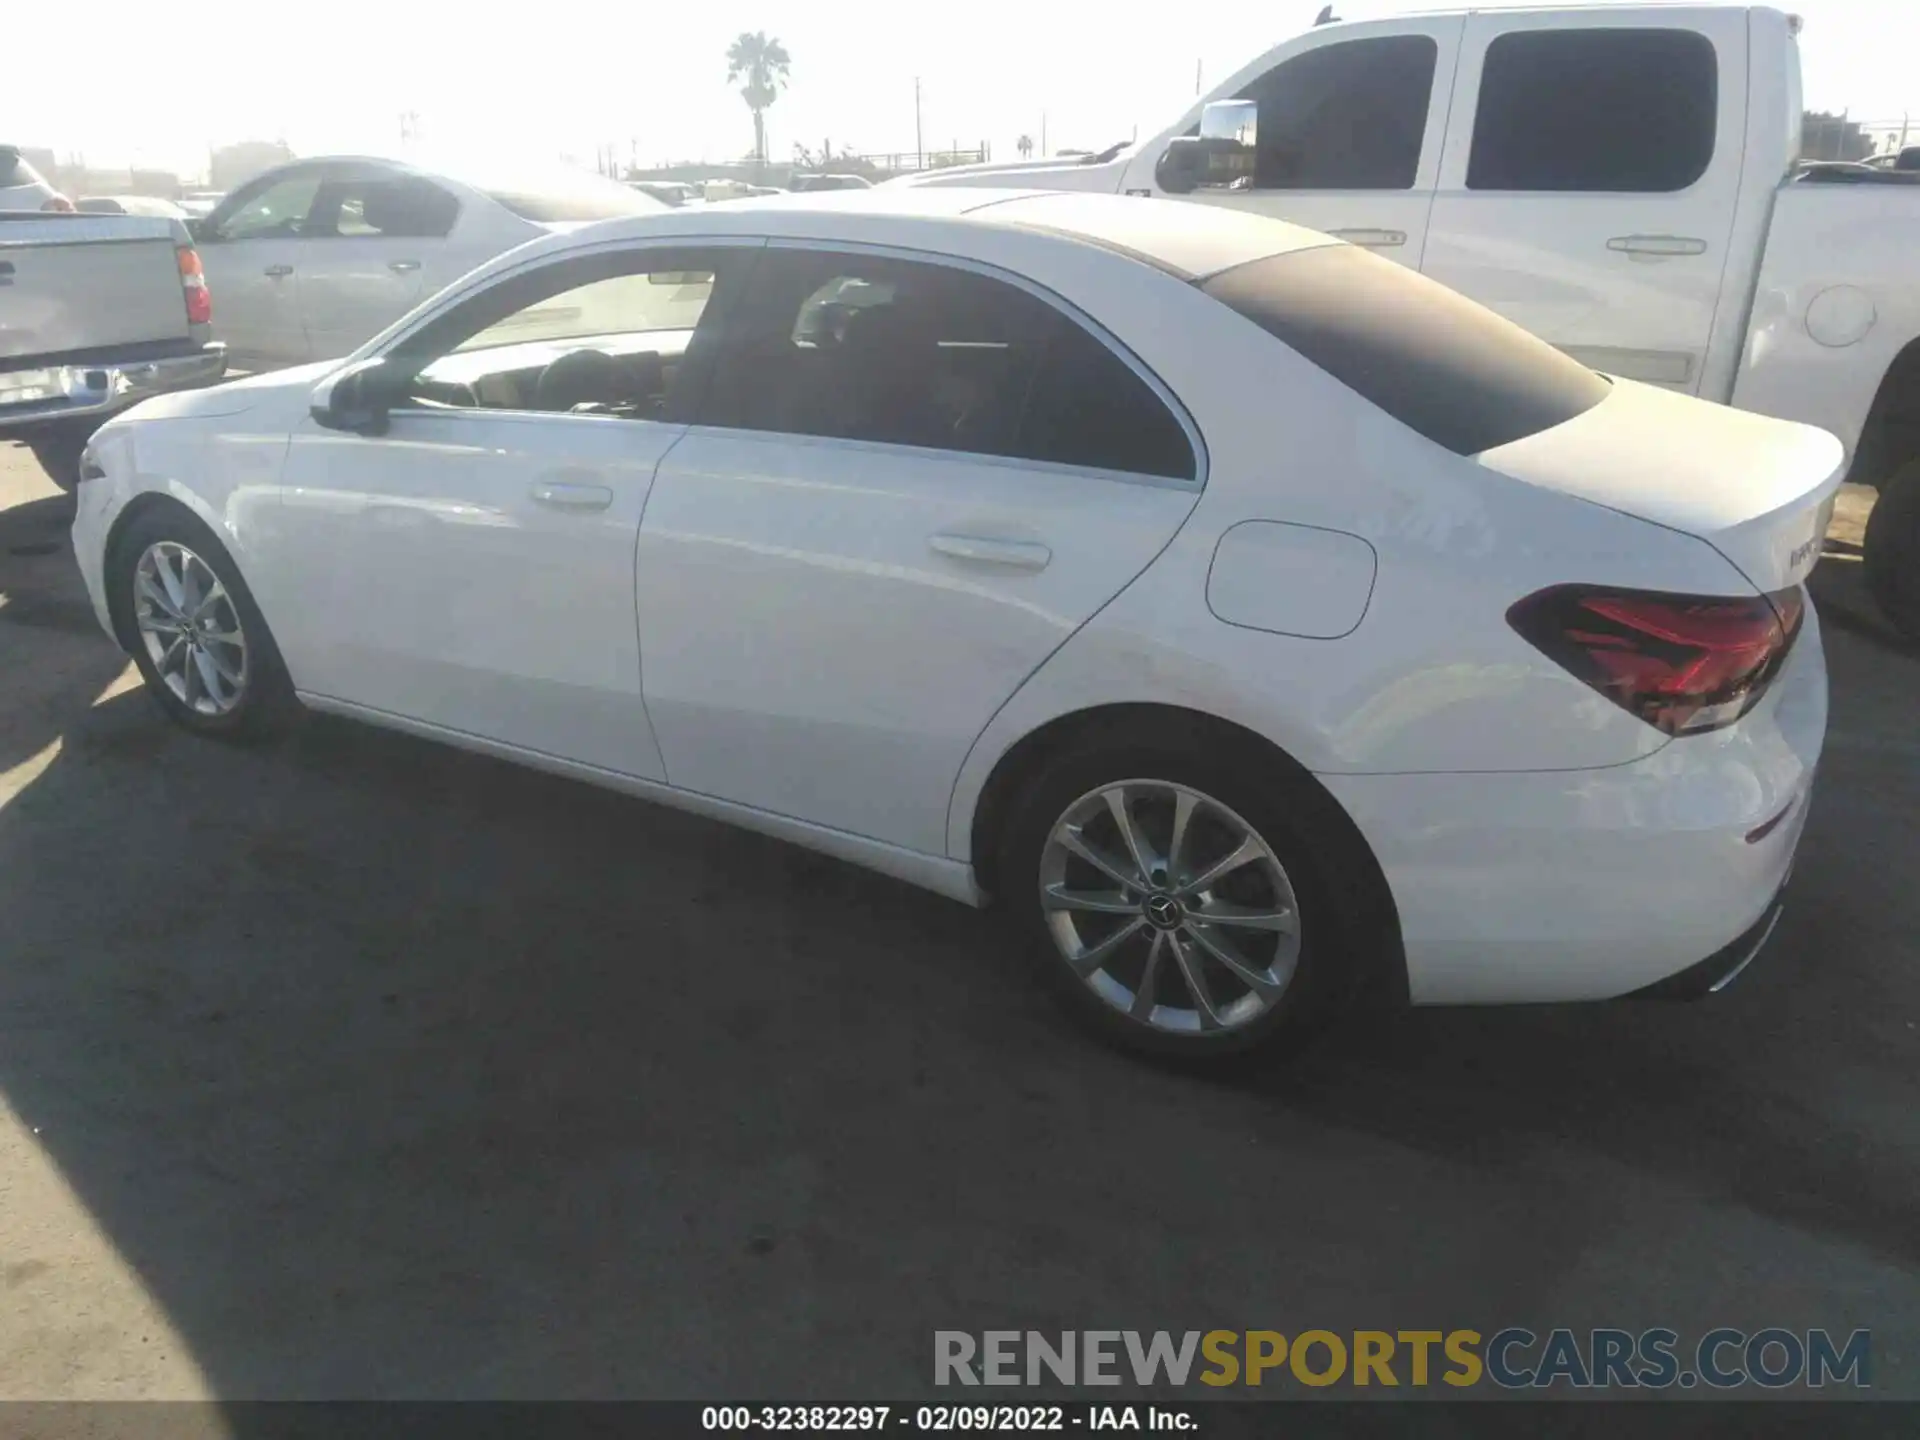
{"x":1657,"y":245}
{"x":565,"y":495}
{"x":402,"y":267}
{"x":276,"y":271}
{"x":1380,"y":239}
{"x":1013,"y":554}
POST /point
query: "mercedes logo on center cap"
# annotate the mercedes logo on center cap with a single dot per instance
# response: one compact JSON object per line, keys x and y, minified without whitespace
{"x":1163,"y":912}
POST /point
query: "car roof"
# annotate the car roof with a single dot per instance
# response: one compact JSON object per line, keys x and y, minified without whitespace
{"x":1188,"y":240}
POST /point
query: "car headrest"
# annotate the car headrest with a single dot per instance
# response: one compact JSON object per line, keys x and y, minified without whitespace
{"x":581,"y":377}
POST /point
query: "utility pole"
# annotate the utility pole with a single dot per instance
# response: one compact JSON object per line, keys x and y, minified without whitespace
{"x":1043,"y":134}
{"x":919,"y":144}
{"x":1198,"y":66}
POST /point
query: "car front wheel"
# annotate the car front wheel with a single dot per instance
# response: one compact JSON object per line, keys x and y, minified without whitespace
{"x":199,"y":640}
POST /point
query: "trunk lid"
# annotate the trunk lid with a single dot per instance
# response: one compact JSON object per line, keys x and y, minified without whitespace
{"x":86,"y":282}
{"x":1103,"y":177}
{"x":1760,"y":491}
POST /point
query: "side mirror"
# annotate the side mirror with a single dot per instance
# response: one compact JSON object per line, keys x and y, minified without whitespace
{"x":1235,"y":120}
{"x":1222,"y":154}
{"x":360,"y":398}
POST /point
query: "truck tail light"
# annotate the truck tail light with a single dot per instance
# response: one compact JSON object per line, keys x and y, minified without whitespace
{"x":1682,"y":663}
{"x":193,"y":280}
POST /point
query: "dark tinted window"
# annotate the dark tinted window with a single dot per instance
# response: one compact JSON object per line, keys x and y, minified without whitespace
{"x":1606,"y":110}
{"x":1348,"y":116}
{"x":1088,"y":408}
{"x":1437,"y":362}
{"x":870,"y":348}
{"x":396,"y":206}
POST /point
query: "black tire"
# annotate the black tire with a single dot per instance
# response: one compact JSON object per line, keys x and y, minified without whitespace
{"x":266,"y":701}
{"x":1891,"y":548}
{"x":58,"y":452}
{"x":1301,"y":825}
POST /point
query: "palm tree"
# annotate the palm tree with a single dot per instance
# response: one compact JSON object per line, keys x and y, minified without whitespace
{"x":761,"y":63}
{"x":1024,"y":145}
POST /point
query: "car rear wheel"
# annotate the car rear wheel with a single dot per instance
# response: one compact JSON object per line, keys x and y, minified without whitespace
{"x":1177,"y":900}
{"x":199,"y":640}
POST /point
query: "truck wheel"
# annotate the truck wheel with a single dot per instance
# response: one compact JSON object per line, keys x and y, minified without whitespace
{"x":1892,"y":550}
{"x":58,"y":452}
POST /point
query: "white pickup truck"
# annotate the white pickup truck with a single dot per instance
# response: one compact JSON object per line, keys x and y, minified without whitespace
{"x":1622,"y":181}
{"x":97,"y":312}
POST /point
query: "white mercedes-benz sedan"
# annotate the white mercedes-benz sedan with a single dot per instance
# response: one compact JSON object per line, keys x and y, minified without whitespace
{"x":1268,"y":629}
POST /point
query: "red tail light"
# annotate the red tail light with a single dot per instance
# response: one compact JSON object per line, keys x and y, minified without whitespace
{"x":1682,"y":663}
{"x":193,"y":280}
{"x":60,"y":205}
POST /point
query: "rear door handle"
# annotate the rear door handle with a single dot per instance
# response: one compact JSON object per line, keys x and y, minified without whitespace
{"x":276,"y":271}
{"x":1377,"y":239}
{"x":1657,"y":245}
{"x":402,"y":267}
{"x":566,"y":495}
{"x":983,"y":550}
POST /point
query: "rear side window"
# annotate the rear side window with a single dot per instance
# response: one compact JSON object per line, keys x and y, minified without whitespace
{"x":1347,"y":116}
{"x":1087,"y":407}
{"x":894,"y":352}
{"x":1443,"y":366}
{"x":1630,"y":111}
{"x":396,"y":207}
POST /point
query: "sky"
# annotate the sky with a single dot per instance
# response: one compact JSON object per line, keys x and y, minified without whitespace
{"x":156,"y":85}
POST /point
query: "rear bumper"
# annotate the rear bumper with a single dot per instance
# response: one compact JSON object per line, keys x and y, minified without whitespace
{"x":94,"y":390}
{"x":1599,"y":884}
{"x":1720,"y":969}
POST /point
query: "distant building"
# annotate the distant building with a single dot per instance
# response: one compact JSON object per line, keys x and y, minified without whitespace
{"x":234,"y":165}
{"x":163,"y":183}
{"x":1832,"y":137}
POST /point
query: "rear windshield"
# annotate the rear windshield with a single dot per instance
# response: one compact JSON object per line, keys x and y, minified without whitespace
{"x":1434,"y":360}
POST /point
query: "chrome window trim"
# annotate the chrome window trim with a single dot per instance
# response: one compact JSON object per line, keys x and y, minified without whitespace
{"x":906,"y":254}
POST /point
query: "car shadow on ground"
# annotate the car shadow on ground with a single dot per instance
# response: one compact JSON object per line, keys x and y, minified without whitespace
{"x":394,"y":1071}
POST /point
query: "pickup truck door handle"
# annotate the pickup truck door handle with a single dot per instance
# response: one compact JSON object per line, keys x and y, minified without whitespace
{"x":402,"y":267}
{"x":1380,"y":239}
{"x":983,"y":550}
{"x":277,"y":271}
{"x":1657,"y":245}
{"x":567,"y":495}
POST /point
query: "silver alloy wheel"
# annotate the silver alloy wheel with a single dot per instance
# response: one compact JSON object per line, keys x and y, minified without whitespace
{"x":190,"y":628}
{"x":1170,"y":907}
